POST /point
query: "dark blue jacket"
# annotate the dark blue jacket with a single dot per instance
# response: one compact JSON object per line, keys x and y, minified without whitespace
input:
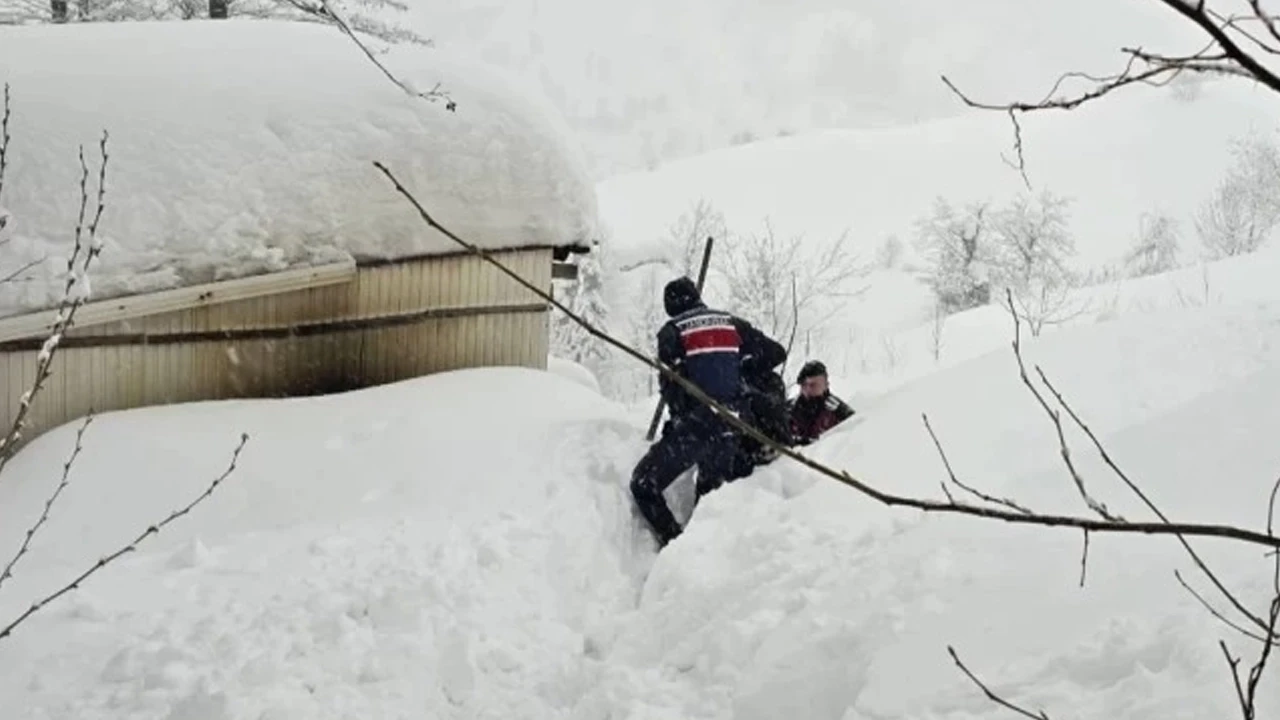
{"x":708,"y":347}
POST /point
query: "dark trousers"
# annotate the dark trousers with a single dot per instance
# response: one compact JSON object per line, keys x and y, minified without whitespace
{"x":710,"y":445}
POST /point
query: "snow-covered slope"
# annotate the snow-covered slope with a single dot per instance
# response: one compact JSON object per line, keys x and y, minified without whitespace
{"x":263,"y":158}
{"x":1115,"y":159}
{"x":409,"y":552}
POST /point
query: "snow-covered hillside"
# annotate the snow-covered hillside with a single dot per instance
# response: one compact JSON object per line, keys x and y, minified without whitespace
{"x":409,"y":551}
{"x":1115,"y":161}
{"x":655,"y":81}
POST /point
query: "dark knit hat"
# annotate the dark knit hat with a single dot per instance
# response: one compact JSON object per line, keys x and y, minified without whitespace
{"x":680,"y":295}
{"x":813,"y":368}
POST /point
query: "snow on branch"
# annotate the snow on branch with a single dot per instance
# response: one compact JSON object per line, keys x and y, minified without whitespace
{"x":1231,"y":49}
{"x":130,"y":546}
{"x":950,"y":507}
{"x":85,"y":249}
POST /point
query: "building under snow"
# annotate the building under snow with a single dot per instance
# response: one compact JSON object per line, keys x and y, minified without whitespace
{"x":250,"y":248}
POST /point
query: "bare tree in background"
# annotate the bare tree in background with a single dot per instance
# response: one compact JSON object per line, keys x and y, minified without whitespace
{"x":1245,"y":207}
{"x":1155,"y":249}
{"x":781,"y":288}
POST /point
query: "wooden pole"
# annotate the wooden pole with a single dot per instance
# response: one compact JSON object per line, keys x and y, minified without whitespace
{"x":702,"y":278}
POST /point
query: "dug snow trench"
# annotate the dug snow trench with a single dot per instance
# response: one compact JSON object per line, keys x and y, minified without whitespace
{"x":463,"y":546}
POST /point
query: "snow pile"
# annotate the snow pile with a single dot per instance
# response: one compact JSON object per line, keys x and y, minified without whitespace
{"x":396,"y":551}
{"x":244,"y":147}
{"x":415,"y":551}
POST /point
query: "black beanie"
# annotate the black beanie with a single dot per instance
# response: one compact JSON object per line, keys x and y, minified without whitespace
{"x":680,"y":295}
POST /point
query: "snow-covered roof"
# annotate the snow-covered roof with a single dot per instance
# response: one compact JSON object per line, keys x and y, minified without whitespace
{"x":245,"y":146}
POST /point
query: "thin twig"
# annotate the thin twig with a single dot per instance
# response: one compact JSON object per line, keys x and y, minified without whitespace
{"x":1214,"y":611}
{"x":1056,"y":418}
{"x":1234,"y":664}
{"x":991,"y":695}
{"x":1005,"y":502}
{"x":131,"y":546}
{"x":16,"y":274}
{"x":4,"y":137}
{"x":885,"y":498}
{"x":1084,"y":559}
{"x":70,"y":302}
{"x":48,"y":504}
{"x":432,"y":95}
{"x":1146,"y":500}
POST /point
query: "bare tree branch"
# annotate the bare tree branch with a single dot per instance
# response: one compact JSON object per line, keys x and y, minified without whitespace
{"x":1146,"y":500}
{"x":1221,"y":55}
{"x":72,"y":298}
{"x":128,"y":548}
{"x":326,"y":10}
{"x":4,"y":137}
{"x":48,"y":505}
{"x":1214,"y":611}
{"x":17,"y":274}
{"x":1056,"y":418}
{"x":991,"y":695}
{"x":971,"y":490}
{"x":889,"y":499}
{"x":1084,"y":559}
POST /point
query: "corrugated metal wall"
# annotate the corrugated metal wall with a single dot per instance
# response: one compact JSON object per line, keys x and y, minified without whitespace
{"x":391,"y":322}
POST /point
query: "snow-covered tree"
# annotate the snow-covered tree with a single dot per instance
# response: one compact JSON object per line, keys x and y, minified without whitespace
{"x":1032,"y":243}
{"x":1031,"y":240}
{"x":955,"y":245}
{"x":1155,"y":249}
{"x":1245,"y":207}
{"x":782,"y":287}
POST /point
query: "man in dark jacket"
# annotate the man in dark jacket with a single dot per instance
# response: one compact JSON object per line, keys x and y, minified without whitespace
{"x":706,"y":347}
{"x":815,"y":410}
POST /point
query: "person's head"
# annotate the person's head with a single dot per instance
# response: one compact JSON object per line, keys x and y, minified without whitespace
{"x":813,"y":379}
{"x":680,"y":295}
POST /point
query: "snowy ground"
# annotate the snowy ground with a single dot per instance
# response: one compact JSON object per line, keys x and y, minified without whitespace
{"x":412,"y":551}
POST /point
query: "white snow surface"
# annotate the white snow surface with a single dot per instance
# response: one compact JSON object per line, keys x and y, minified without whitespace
{"x":247,"y":146}
{"x":409,"y":551}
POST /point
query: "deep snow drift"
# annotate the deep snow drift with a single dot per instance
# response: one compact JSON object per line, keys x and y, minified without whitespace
{"x":407,"y":551}
{"x":247,"y":146}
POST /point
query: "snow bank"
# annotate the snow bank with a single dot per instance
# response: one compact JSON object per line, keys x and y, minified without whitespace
{"x":573,"y":371}
{"x":244,"y":147}
{"x":401,"y":550}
